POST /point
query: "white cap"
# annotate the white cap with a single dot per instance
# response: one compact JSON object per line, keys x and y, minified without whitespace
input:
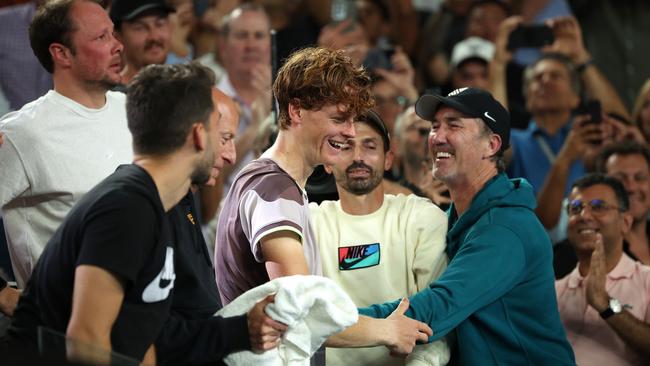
{"x":472,"y":47}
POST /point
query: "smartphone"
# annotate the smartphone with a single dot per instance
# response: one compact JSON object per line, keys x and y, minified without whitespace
{"x":531,"y":36}
{"x":379,"y":58}
{"x":593,"y":108}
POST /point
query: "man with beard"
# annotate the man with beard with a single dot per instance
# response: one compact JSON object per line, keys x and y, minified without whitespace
{"x":605,"y":301}
{"x":143,"y":27}
{"x":106,"y":276}
{"x":497,"y":292}
{"x":377,"y":247}
{"x":59,"y":146}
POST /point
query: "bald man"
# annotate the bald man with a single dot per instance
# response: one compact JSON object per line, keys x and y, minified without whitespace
{"x":192,"y":335}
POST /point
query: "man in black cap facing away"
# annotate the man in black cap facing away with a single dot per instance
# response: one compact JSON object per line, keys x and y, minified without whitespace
{"x":498,"y":291}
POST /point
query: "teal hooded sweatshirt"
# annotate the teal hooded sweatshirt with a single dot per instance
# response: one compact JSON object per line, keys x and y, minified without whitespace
{"x":498,"y":290}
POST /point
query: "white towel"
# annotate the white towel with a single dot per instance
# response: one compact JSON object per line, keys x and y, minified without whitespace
{"x":313,"y":307}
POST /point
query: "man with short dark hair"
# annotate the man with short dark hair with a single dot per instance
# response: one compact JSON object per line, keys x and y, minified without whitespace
{"x":604,"y":302}
{"x":371,"y":237}
{"x":107,"y":275}
{"x":143,"y":28}
{"x":497,"y":292}
{"x":59,"y":146}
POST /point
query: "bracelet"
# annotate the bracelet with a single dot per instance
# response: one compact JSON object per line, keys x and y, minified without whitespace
{"x":583,"y":66}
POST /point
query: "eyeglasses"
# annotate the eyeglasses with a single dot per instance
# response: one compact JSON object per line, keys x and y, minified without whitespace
{"x":596,"y":207}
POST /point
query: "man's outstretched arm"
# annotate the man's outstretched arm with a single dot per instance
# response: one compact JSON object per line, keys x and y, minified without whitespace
{"x":397,"y":332}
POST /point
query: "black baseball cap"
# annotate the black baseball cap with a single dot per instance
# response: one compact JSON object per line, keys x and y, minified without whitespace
{"x":474,"y":103}
{"x":130,"y":9}
{"x":372,"y":118}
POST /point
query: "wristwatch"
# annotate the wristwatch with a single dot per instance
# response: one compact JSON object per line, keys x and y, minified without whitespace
{"x":613,"y":308}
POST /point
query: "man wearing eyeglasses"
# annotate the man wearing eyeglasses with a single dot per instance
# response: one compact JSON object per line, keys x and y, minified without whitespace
{"x":605,"y":302}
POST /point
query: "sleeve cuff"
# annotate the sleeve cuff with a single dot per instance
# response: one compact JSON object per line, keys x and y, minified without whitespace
{"x":238,"y":338}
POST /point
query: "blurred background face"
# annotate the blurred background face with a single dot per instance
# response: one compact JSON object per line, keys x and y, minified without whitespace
{"x":471,"y":73}
{"x":371,"y":19}
{"x":146,"y":39}
{"x":413,"y":139}
{"x":362,"y":162}
{"x":248,"y":42}
{"x":549,"y":88}
{"x":634,"y":173}
{"x":484,"y":21}
{"x":388,"y":102}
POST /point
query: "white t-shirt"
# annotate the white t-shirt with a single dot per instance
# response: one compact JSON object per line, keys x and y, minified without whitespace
{"x":55,"y":150}
{"x":391,"y":253}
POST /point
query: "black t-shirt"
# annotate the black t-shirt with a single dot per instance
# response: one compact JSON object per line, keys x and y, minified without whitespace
{"x":192,"y":335}
{"x":121,"y":227}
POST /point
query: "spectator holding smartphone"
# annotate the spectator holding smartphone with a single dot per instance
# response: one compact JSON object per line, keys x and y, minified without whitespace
{"x":553,"y":151}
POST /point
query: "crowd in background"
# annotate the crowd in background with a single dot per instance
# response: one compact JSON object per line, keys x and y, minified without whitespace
{"x":577,"y":90}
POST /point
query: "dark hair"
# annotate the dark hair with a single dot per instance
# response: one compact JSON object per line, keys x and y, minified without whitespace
{"x":315,"y":77}
{"x":624,"y":148}
{"x":164,"y":101}
{"x":593,"y":179}
{"x":574,"y":77}
{"x":52,"y":24}
{"x":224,"y":25}
{"x":372,"y":119}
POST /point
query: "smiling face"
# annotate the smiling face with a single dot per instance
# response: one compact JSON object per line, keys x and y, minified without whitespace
{"x":97,"y":54}
{"x":458,"y":146}
{"x":362,"y":163}
{"x":325,"y":131}
{"x":146,"y":39}
{"x":609,"y":221}
{"x":248,"y":42}
{"x":633,"y":171}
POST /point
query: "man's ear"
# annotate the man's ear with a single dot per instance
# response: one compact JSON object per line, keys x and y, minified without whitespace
{"x":628,"y":220}
{"x":199,"y":136}
{"x":495,"y":144}
{"x":61,"y":55}
{"x":388,"y":160}
{"x":295,"y":113}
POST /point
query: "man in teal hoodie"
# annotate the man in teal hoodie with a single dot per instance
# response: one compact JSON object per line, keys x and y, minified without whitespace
{"x":498,"y":290}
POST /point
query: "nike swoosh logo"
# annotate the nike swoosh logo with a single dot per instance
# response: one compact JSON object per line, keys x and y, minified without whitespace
{"x":349,"y":263}
{"x":160,"y":287}
{"x":488,"y":116}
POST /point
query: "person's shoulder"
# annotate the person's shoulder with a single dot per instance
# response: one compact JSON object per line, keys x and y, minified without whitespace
{"x":22,"y":119}
{"x":417,"y":205}
{"x":269,"y":182}
{"x":116,"y":96}
{"x":128,"y":187}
